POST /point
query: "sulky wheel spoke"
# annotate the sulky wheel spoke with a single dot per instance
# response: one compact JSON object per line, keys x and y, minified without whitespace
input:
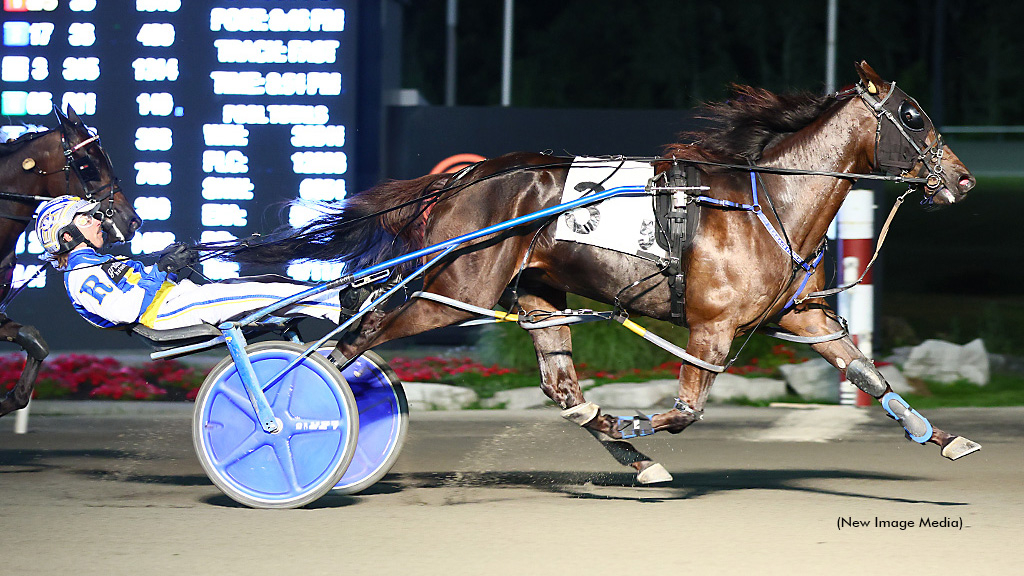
{"x":241,"y":401}
{"x":250,"y":444}
{"x":363,"y":409}
{"x":285,"y":390}
{"x":283,"y":452}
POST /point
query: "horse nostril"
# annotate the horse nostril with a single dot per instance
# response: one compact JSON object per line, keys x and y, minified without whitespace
{"x":966,"y":182}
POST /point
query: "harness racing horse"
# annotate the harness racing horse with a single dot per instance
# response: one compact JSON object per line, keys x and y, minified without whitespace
{"x":33,"y":168}
{"x":745,"y":268}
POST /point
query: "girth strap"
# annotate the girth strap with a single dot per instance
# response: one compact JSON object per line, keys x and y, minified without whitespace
{"x":676,"y":225}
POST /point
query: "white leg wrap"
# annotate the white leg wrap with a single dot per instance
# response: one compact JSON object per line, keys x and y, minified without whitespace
{"x":581,"y":413}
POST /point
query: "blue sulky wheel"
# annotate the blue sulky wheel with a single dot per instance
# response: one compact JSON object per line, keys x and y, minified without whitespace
{"x":305,"y":458}
{"x":383,"y":420}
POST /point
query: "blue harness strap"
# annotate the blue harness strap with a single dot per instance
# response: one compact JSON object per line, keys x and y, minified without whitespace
{"x":808,"y":267}
{"x":756,"y":208}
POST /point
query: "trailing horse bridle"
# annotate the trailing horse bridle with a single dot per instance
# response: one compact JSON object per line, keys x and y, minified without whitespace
{"x":85,"y":170}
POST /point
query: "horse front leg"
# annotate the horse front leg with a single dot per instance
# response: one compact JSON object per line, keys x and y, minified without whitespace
{"x":709,"y":342}
{"x":860,"y":370}
{"x":33,"y":344}
{"x":560,"y":383}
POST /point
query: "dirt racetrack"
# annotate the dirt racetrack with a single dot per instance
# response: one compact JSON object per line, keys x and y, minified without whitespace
{"x":496,"y":492}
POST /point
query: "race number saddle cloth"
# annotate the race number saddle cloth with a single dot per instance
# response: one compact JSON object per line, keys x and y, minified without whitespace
{"x":658,"y":224}
{"x":623,"y":223}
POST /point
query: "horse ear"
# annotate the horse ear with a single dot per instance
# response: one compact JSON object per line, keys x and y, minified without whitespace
{"x":873,"y":83}
{"x":73,"y":116}
{"x":61,"y":118}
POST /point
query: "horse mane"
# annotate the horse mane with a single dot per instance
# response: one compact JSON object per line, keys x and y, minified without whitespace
{"x":363,"y":230}
{"x":744,"y":126}
{"x":15,"y":144}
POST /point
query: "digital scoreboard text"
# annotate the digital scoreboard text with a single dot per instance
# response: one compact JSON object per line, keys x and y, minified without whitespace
{"x":215,"y":114}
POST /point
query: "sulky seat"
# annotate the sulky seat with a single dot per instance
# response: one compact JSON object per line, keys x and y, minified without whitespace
{"x":182,"y":341}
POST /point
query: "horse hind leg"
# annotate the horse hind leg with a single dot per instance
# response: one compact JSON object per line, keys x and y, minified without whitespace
{"x":560,"y":383}
{"x":32,"y":342}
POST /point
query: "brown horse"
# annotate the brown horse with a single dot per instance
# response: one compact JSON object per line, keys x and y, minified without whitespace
{"x":34,"y":167}
{"x":737,"y":277}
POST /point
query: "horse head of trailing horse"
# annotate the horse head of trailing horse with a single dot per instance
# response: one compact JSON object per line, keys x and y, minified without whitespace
{"x":94,"y":177}
{"x":908,"y":144}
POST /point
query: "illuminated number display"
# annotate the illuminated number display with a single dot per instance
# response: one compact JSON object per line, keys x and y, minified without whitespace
{"x":216,"y":114}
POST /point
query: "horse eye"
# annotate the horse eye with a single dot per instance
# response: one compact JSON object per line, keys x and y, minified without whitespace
{"x":910,"y":116}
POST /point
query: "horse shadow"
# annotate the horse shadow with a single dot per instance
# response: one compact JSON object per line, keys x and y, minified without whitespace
{"x":684,"y":486}
{"x":620,"y":486}
{"x":29,"y":461}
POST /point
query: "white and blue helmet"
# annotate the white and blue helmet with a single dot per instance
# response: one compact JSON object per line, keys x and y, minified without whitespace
{"x":57,"y":216}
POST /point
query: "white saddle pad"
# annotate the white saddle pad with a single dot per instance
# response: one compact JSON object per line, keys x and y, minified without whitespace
{"x":621,"y":223}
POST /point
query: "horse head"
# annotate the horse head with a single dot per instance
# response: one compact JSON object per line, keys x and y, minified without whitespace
{"x":95,"y":179}
{"x":907,"y":143}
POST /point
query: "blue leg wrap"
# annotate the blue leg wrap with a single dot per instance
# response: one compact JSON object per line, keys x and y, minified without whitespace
{"x":635,"y":427}
{"x":918,"y":428}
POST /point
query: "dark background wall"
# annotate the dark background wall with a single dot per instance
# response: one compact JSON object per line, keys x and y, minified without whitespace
{"x":601,"y":77}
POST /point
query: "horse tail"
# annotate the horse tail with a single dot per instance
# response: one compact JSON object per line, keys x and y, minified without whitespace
{"x":363,"y":230}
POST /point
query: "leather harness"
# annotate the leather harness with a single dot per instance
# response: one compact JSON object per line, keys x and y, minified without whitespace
{"x":676,"y":216}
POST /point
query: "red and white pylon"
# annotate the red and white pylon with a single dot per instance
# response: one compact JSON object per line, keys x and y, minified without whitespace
{"x":856,"y":223}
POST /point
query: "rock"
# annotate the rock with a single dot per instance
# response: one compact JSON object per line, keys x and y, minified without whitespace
{"x":947,"y":362}
{"x":729,"y":386}
{"x":1006,"y":363}
{"x":899,"y":355}
{"x":430,"y":396}
{"x":897,"y":381}
{"x":817,"y":379}
{"x":974,"y":362}
{"x":517,"y":399}
{"x":656,"y":393}
{"x":814,"y":379}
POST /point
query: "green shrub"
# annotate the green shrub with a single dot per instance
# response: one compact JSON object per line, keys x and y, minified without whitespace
{"x":598,"y":345}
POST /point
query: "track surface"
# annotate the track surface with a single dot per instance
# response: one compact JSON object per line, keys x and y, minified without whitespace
{"x":493,"y":492}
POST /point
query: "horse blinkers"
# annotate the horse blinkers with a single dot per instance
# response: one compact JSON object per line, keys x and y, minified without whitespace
{"x":911,"y":116}
{"x":900,"y":139}
{"x":87,"y":171}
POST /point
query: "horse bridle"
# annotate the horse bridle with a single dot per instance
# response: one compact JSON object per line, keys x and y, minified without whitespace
{"x":897,"y":155}
{"x":86,"y":171}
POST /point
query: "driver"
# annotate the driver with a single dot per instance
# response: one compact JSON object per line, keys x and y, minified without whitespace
{"x":112,"y":292}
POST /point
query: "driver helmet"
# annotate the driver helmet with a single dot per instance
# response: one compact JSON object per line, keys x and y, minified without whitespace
{"x":57,"y":216}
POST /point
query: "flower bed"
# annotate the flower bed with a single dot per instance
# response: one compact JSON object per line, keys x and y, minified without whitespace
{"x":83,"y":377}
{"x":438,"y":369}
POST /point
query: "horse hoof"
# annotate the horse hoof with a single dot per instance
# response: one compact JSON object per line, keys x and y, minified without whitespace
{"x":959,"y":448}
{"x":653,"y":474}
